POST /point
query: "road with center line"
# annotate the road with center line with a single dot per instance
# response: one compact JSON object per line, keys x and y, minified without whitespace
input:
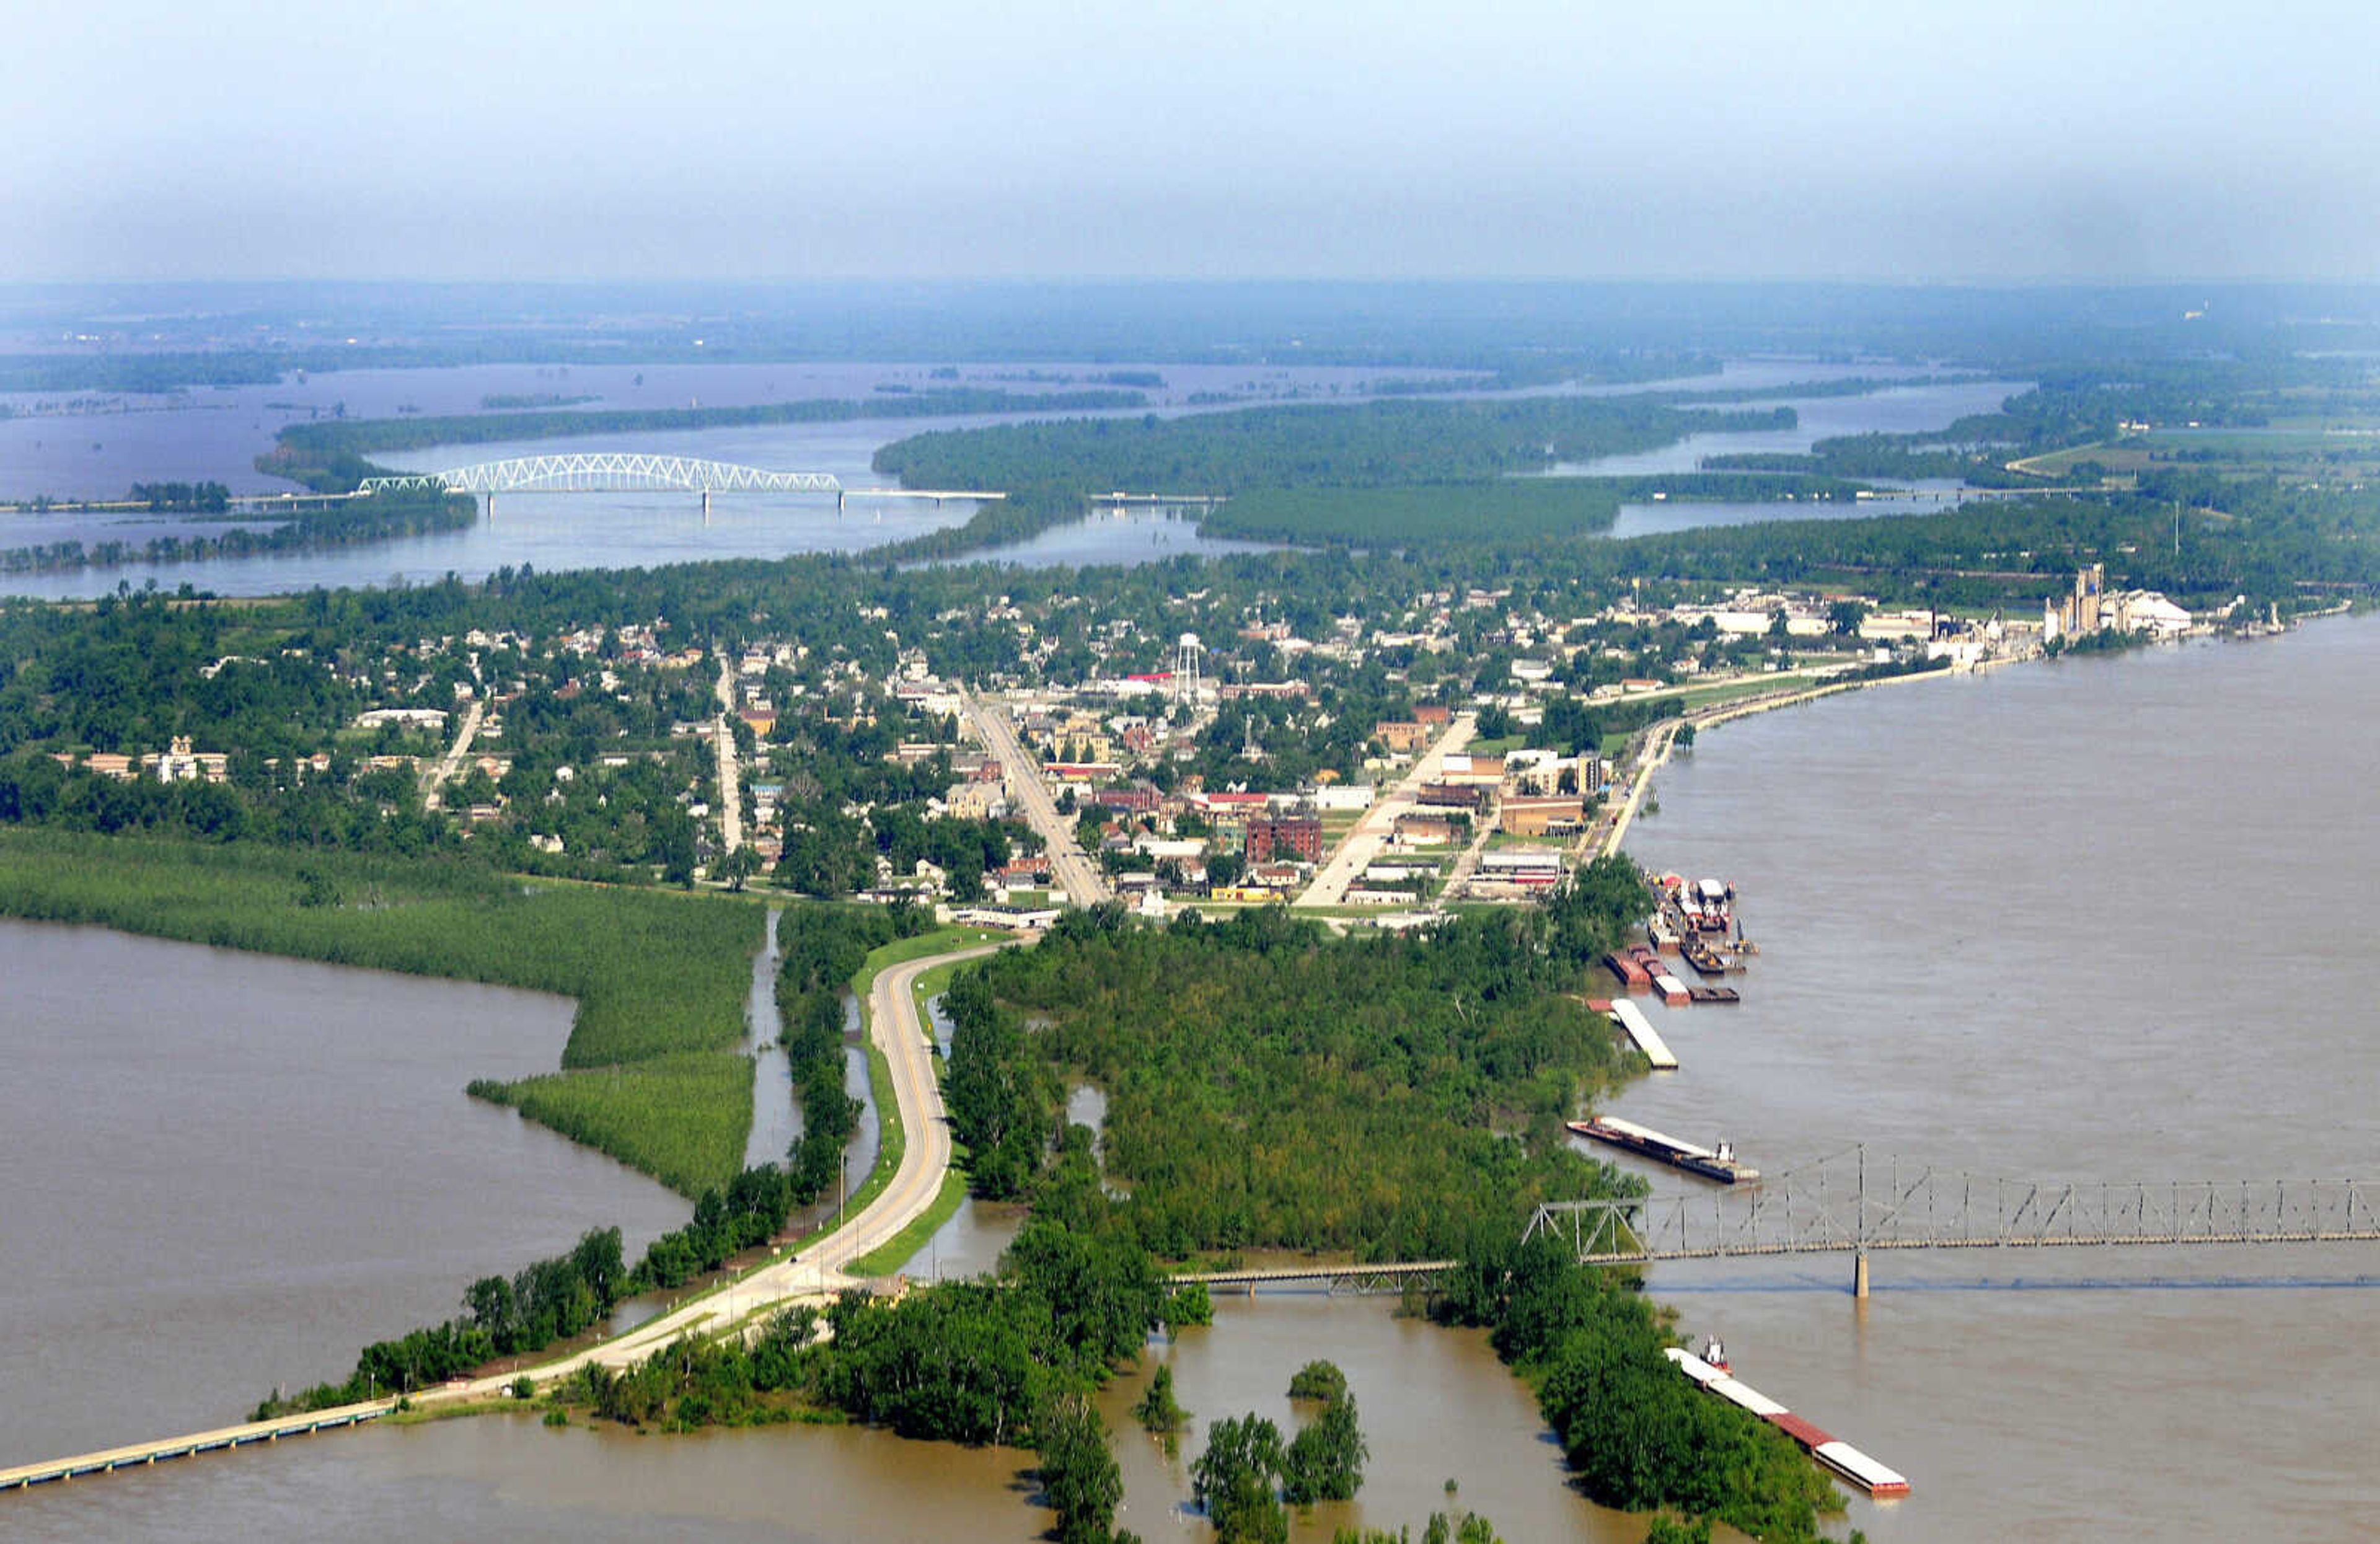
{"x":813,"y":1275}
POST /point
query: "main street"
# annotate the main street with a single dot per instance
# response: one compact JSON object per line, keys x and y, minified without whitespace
{"x":1379,"y":822}
{"x":1071,"y":868}
{"x":731,"y":796}
{"x":452,"y":762}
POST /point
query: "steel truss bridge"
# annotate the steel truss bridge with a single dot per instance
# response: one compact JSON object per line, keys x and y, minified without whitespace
{"x":621,"y":472}
{"x":609,"y":471}
{"x":1852,"y":1204}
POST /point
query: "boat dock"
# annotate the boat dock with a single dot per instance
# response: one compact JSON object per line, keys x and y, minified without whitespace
{"x":1845,"y":1460}
{"x":111,"y":1459}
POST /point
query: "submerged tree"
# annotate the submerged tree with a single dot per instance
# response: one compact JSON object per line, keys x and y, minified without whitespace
{"x":1234,"y":1480}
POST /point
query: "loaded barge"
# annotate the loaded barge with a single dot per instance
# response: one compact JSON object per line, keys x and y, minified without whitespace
{"x":1645,"y":1142}
{"x":1639,"y":1029}
{"x":1878,"y":1480}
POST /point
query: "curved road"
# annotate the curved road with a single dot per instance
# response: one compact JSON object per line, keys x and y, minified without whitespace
{"x":814,"y":1276}
{"x":818,"y":1273}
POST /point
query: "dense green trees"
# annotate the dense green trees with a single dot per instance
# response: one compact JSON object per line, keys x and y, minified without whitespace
{"x":983,"y":1361}
{"x":1080,"y":1479}
{"x":1002,"y":1101}
{"x":1324,"y":1461}
{"x":1272,"y":1086}
{"x":1158,"y":1412}
{"x":1235,"y":1480}
{"x":1637,"y":1434}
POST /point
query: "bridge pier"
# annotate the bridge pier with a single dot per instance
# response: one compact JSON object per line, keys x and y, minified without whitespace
{"x":1859,"y":1277}
{"x":706,"y":507}
{"x":491,"y":509}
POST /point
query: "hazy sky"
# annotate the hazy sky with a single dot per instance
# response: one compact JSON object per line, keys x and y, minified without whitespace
{"x":532,"y":138}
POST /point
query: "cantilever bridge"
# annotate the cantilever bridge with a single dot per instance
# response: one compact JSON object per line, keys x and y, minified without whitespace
{"x":619,"y":471}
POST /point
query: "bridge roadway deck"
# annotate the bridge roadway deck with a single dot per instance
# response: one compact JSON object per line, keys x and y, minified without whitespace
{"x":816,"y":1275}
{"x":142,"y":1453}
{"x":2031,"y":1241}
{"x":1286,"y":1276}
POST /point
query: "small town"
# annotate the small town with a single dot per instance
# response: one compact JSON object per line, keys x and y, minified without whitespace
{"x":1469,"y":749}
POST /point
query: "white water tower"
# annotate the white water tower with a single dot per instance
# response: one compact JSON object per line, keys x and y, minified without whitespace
{"x":1186,"y":667}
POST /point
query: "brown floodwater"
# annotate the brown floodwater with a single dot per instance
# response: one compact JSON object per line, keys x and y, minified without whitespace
{"x":227,"y":1170}
{"x":1436,"y":1406}
{"x":2102,"y":918}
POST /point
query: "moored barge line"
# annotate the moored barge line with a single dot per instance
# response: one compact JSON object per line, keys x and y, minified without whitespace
{"x":1878,"y":1480}
{"x":1638,"y":1029}
{"x":1645,"y":1142}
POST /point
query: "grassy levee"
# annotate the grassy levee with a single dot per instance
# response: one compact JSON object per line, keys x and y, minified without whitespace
{"x":902,"y":1246}
{"x":651,"y":1073}
{"x":902,"y":951}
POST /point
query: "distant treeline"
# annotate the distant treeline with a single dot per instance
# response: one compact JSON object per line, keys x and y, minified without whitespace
{"x":207,"y":498}
{"x":1504,"y":511}
{"x":330,"y":454}
{"x":384,"y":518}
{"x":141,"y":372}
{"x":1396,"y":443}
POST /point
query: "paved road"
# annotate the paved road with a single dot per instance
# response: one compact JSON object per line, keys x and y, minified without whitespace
{"x":452,"y":762}
{"x":812,"y":1276}
{"x":1071,"y":868}
{"x":1371,"y":834}
{"x":731,"y":795}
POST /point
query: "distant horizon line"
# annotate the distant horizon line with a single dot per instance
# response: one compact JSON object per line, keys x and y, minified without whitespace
{"x":1180,"y":281}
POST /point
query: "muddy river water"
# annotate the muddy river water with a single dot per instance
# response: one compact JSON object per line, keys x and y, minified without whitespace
{"x":2102,"y":918}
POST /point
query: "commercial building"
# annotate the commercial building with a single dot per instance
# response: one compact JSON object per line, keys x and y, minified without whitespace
{"x":1298,"y":836}
{"x":1546,"y":816}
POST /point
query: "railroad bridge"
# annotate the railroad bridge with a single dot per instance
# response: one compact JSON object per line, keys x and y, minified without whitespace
{"x":615,"y":472}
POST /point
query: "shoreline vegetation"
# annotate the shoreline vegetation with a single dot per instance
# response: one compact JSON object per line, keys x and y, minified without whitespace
{"x":652,"y":1073}
{"x":383,"y":518}
{"x":334,"y":456}
{"x":1242,"y":1061}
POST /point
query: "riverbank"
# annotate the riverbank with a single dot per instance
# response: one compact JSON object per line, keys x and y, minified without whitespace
{"x":1917,"y":868}
{"x":653,"y":1074}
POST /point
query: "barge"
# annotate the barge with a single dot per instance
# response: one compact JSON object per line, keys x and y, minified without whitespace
{"x":1638,"y":1029}
{"x":1841,"y":1457}
{"x":1645,"y":1142}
